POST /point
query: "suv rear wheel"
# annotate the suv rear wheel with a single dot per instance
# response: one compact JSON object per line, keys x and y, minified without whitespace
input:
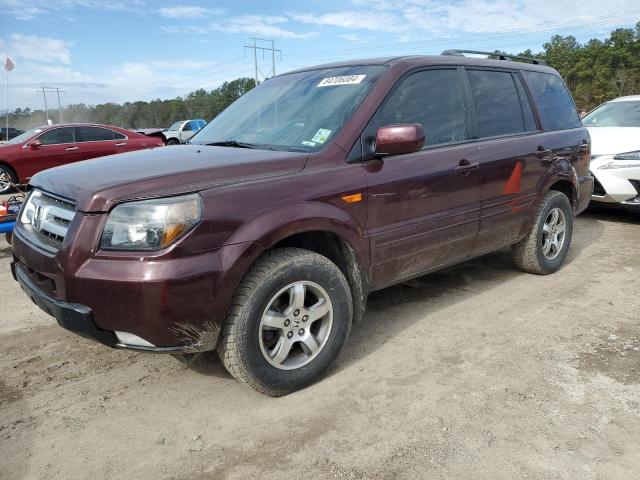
{"x":546,"y":246}
{"x":289,"y":320}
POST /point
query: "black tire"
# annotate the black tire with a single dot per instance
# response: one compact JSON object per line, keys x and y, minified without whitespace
{"x":12,"y":176}
{"x":528,"y":254}
{"x":240,"y":344}
{"x":173,"y":141}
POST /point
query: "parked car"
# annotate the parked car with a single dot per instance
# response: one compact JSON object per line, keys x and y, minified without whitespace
{"x":182,"y":131}
{"x":263,"y":237}
{"x":50,"y":146}
{"x":13,"y":133}
{"x":615,"y":163}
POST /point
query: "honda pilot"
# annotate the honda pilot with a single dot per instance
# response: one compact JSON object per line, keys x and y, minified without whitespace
{"x":263,"y":236}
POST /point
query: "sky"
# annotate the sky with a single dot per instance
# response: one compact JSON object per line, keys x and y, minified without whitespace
{"x":99,"y":51}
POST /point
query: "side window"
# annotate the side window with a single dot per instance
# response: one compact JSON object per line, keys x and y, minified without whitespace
{"x":556,"y":107}
{"x":498,"y":110}
{"x":188,"y":127}
{"x":57,"y":136}
{"x":93,"y":134}
{"x":432,"y":98}
{"x":118,"y":136}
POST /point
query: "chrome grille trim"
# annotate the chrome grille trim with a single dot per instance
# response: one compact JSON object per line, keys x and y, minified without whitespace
{"x":47,"y":217}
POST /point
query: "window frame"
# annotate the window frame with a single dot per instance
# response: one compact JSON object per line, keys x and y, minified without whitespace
{"x":73,"y":129}
{"x":534,"y":104}
{"x":95,"y":126}
{"x":361,"y":140}
{"x":358,"y":153}
{"x":515,"y":73}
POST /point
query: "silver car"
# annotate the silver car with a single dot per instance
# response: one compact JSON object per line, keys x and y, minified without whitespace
{"x":183,"y":130}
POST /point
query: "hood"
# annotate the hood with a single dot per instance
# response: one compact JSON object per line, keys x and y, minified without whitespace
{"x":96,"y":185}
{"x":613,"y":140}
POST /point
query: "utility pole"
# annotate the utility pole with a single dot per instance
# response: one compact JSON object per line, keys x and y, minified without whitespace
{"x":254,"y":46}
{"x":59,"y":105}
{"x":57,"y":91}
{"x":46,"y":110}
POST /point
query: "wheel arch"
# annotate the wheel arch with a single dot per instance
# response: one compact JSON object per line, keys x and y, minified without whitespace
{"x":16,"y":176}
{"x":318,"y":227}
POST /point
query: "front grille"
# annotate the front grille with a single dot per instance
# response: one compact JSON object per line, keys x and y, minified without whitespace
{"x":598,"y":189}
{"x":47,"y":219}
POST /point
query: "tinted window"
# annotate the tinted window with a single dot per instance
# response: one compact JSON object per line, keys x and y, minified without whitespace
{"x":556,"y":107}
{"x":118,"y":136}
{"x":57,"y":135}
{"x":93,"y":134}
{"x":497,"y":104}
{"x":433,"y":98}
{"x":189,"y":126}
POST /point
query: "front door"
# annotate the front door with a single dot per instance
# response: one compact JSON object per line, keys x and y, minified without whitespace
{"x":58,"y":147}
{"x":424,"y":206}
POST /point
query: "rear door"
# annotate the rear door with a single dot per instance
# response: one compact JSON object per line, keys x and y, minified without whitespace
{"x":95,"y":142}
{"x":58,"y":147}
{"x":424,"y":206}
{"x":511,"y":144}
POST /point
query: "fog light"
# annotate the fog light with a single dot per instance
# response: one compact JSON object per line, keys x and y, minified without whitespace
{"x":127,"y":338}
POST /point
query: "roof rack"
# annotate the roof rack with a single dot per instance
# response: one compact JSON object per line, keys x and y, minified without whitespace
{"x":500,"y":55}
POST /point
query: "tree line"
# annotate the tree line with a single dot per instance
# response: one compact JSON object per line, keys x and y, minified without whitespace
{"x":595,"y":72}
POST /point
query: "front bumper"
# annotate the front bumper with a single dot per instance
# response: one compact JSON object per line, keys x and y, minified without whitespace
{"x":78,"y":318}
{"x":615,"y":185}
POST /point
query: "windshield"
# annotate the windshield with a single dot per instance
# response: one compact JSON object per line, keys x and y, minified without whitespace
{"x":23,"y":137}
{"x":295,"y":112}
{"x":175,"y":126}
{"x":614,"y":114}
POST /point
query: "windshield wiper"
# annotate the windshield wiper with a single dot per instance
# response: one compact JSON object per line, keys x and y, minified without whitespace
{"x":233,"y":143}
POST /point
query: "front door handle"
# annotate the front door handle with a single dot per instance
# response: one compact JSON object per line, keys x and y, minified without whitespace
{"x":465,"y":166}
{"x":123,"y":144}
{"x":70,"y":149}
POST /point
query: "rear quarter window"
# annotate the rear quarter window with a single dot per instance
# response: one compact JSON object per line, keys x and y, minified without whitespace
{"x":555,"y":105}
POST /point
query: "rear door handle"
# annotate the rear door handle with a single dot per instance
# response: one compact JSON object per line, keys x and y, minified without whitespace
{"x":71,"y":148}
{"x":123,"y":144}
{"x":542,"y":152}
{"x":465,"y":166}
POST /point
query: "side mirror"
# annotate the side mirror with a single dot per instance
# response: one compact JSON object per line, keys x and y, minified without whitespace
{"x":399,"y":139}
{"x":37,"y":143}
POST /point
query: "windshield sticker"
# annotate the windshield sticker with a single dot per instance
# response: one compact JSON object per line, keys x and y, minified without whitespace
{"x":308,"y":143}
{"x":344,"y":80}
{"x":321,"y":135}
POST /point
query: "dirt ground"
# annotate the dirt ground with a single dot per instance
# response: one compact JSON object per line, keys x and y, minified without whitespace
{"x":479,"y":371}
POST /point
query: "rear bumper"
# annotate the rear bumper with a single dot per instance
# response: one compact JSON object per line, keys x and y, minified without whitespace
{"x":585,"y":189}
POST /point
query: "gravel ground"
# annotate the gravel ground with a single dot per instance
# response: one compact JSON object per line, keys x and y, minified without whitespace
{"x":478,"y":371}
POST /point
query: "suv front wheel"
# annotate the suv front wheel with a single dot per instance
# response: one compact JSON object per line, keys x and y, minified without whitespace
{"x":289,"y":320}
{"x":546,"y":245}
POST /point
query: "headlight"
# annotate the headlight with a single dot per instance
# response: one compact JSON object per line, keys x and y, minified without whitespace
{"x":623,"y":160}
{"x":150,"y":224}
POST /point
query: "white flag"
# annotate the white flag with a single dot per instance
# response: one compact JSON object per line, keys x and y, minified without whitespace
{"x":9,"y":65}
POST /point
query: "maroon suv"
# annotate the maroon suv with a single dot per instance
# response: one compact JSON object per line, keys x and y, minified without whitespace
{"x":264,"y":236}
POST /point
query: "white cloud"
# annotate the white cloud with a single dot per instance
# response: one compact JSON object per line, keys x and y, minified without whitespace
{"x":32,"y":47}
{"x":440,"y":17}
{"x":188,"y":12}
{"x":263,"y":25}
{"x":32,"y":9}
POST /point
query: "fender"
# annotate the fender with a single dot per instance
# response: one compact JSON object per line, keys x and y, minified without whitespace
{"x":284,"y":221}
{"x":560,"y":170}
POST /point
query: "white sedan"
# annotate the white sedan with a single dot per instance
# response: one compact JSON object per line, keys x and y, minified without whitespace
{"x":615,"y":151}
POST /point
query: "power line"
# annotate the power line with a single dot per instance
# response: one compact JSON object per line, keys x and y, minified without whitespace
{"x":254,"y":46}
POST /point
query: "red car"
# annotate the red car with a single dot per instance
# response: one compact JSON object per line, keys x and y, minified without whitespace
{"x":54,"y":145}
